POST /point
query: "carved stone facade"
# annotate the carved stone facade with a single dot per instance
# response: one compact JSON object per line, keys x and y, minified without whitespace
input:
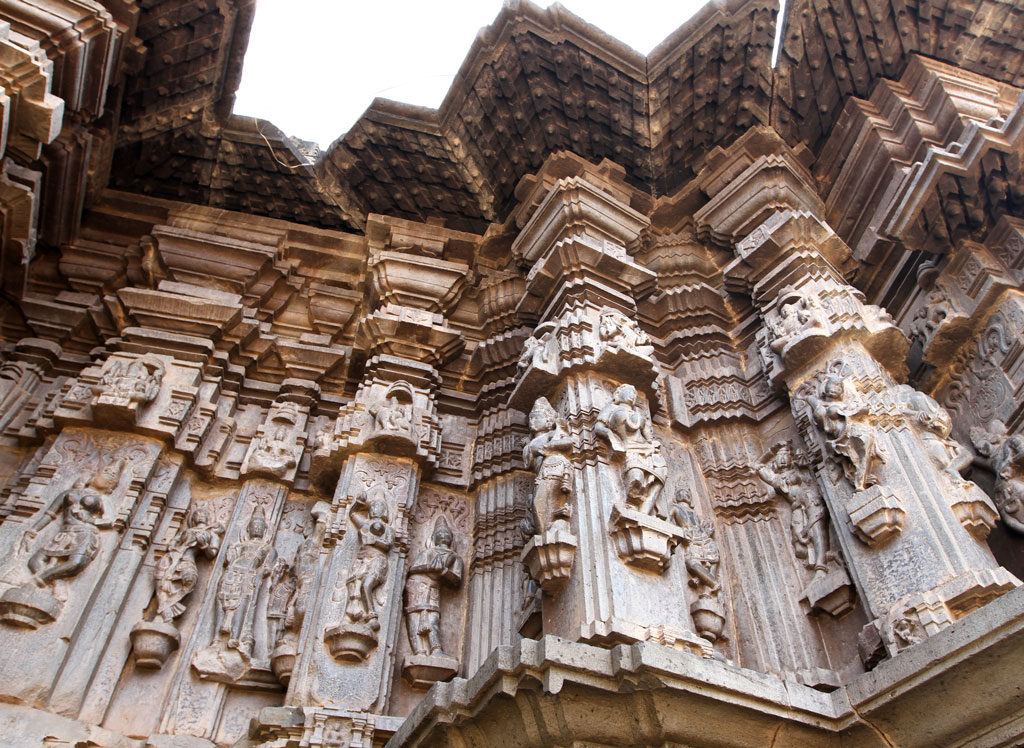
{"x":623,"y":401}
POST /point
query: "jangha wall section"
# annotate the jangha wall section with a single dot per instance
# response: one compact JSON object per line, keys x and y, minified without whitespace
{"x":621,"y":401}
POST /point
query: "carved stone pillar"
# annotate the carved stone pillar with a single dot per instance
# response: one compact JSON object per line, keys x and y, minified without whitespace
{"x":603,"y":552}
{"x":379,"y":447}
{"x":910,"y":528}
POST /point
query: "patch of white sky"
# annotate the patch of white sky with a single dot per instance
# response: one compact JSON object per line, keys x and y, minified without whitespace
{"x":313,"y":66}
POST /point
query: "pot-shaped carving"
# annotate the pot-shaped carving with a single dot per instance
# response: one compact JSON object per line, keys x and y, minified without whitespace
{"x":351,"y":642}
{"x":549,"y":556}
{"x":642,"y":541}
{"x":282,"y":659}
{"x":708,"y":617}
{"x":877,"y":514}
{"x":29,"y":606}
{"x":153,"y":642}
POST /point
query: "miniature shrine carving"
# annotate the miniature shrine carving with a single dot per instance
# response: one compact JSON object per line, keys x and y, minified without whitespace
{"x":276,"y":450}
{"x":129,"y":383}
{"x":619,"y":333}
{"x":395,"y":414}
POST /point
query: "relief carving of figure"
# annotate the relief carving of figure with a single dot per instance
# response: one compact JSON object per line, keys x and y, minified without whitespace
{"x":798,"y":313}
{"x":177,"y":573}
{"x":395,"y":414}
{"x":83,"y":512}
{"x":1005,"y":455}
{"x":702,"y":554}
{"x":547,"y":453}
{"x":789,"y":476}
{"x":619,"y":333}
{"x":249,"y":561}
{"x":932,"y":422}
{"x":627,"y":428}
{"x":281,"y":585}
{"x":535,"y":348}
{"x":276,"y":450}
{"x":842,"y":419}
{"x":436,"y":565}
{"x":134,"y":382}
{"x":930,"y":316}
{"x":289,"y":596}
{"x":375,"y":537}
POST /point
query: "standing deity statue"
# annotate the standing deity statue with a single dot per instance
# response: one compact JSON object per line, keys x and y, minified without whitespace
{"x":177,"y":573}
{"x":1005,"y":455}
{"x":547,"y":453}
{"x":627,"y":428}
{"x":375,"y":537}
{"x":249,"y":561}
{"x":289,"y":596}
{"x":281,"y":588}
{"x":435,"y":565}
{"x":848,"y":436}
{"x":788,"y":476}
{"x":702,"y":554}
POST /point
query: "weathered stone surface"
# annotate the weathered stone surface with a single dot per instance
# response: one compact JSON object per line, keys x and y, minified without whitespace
{"x":665,"y":401}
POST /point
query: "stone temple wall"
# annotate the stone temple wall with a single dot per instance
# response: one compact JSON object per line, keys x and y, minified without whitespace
{"x":622,"y":401}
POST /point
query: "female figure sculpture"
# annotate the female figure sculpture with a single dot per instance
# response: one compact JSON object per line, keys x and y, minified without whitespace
{"x":547,"y":454}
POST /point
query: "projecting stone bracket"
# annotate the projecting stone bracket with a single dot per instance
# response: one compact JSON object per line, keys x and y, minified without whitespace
{"x":422,"y":671}
{"x":642,"y":541}
{"x":877,"y":515}
{"x":549,"y":556}
{"x":830,"y":592}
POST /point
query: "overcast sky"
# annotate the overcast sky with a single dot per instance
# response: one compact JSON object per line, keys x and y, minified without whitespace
{"x":313,"y":66}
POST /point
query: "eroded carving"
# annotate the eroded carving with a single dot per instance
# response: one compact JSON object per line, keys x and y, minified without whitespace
{"x":176,"y":575}
{"x":129,"y":384}
{"x":702,"y":559}
{"x":82,"y":512}
{"x":276,"y":450}
{"x":436,"y":565}
{"x":356,"y":636}
{"x":1005,"y":455}
{"x":547,"y":453}
{"x":843,"y":420}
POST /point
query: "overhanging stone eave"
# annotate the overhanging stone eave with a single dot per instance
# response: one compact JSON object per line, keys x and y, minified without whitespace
{"x":925,"y":682}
